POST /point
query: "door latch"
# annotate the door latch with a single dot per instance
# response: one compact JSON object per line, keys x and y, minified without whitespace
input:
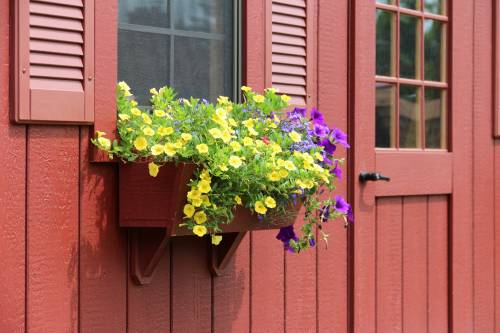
{"x":372,"y":176}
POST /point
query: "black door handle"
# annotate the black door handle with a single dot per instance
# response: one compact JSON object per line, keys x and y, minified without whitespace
{"x":372,"y":176}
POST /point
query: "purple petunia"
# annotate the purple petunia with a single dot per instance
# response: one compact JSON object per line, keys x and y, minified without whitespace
{"x":324,"y":213}
{"x":321,"y":130}
{"x":316,"y":116}
{"x":340,"y":137}
{"x":286,"y":234}
{"x":337,"y":171}
{"x":341,"y":205}
{"x":350,"y":215}
{"x":329,"y":147}
{"x":312,"y":242}
{"x":297,"y":113}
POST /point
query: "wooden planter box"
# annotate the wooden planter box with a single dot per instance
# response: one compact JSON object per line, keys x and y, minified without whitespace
{"x":151,"y":205}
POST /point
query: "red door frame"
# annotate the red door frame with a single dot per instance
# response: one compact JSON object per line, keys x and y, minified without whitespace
{"x":363,"y":157}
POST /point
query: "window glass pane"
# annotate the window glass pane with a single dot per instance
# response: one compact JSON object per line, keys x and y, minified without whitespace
{"x":412,"y":4}
{"x":387,"y":2}
{"x":203,"y":15}
{"x":384,"y":115}
{"x":434,"y":46}
{"x":145,"y":12}
{"x":435,"y":118}
{"x":409,"y":117}
{"x":208,"y":73}
{"x":434,"y":6}
{"x":409,"y":46}
{"x":385,"y":57}
{"x":143,"y":62}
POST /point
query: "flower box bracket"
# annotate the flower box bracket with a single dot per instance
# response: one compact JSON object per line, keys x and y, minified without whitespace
{"x":147,"y":247}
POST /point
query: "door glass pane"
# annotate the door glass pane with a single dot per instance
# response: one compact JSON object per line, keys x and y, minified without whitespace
{"x":385,"y":57}
{"x":434,"y":46}
{"x":435,"y":6}
{"x":203,"y":15}
{"x":145,"y":12}
{"x":143,"y":62}
{"x":207,"y":74}
{"x":385,"y":110}
{"x":412,"y":4}
{"x":409,"y":46}
{"x":409,"y":117}
{"x":435,"y":118}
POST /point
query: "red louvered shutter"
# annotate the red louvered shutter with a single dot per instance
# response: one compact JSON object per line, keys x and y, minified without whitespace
{"x":54,"y":61}
{"x":290,"y":48}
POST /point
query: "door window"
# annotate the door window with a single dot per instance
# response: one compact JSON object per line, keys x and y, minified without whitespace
{"x":411,"y":80}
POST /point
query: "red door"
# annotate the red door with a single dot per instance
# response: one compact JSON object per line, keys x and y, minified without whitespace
{"x":409,"y":105}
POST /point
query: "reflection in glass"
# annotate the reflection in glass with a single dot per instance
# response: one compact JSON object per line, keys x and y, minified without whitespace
{"x":412,"y":4}
{"x":435,"y":118}
{"x":409,"y":117}
{"x":385,"y":57}
{"x":145,"y":12}
{"x":434,"y":46}
{"x":434,"y":6}
{"x":409,"y":46}
{"x":385,"y":109}
{"x":144,"y":62}
{"x":203,"y":15}
{"x":208,"y":73}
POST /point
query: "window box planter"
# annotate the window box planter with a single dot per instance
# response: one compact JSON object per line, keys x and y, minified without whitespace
{"x":152,"y":208}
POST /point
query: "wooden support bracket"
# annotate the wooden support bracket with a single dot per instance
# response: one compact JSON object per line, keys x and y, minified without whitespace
{"x":148,"y":245}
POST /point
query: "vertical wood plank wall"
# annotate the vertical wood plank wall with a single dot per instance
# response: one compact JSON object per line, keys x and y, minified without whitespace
{"x":64,"y":262}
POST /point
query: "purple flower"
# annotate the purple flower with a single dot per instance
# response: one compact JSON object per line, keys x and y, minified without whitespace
{"x":340,"y":137}
{"x":350,"y":215}
{"x":312,"y":242}
{"x":204,"y":101}
{"x":324,"y":213}
{"x":260,"y":217}
{"x":329,"y":147}
{"x":337,"y":171}
{"x":341,"y":205}
{"x":326,"y":160}
{"x":286,"y":234}
{"x":321,"y":130}
{"x":316,"y":116}
{"x":297,"y":113}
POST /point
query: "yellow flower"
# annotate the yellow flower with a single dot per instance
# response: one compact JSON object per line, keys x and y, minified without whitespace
{"x":223,"y":100}
{"x":252,"y":131}
{"x":202,"y":148}
{"x":204,"y":186}
{"x":276,"y":148}
{"x":146,"y":119}
{"x":273,"y":90}
{"x":100,"y":133}
{"x":200,"y":230}
{"x":285,"y":98}
{"x":258,"y":98}
{"x":248,"y":123}
{"x":237,"y":199}
{"x":318,"y":156}
{"x":169,"y":149}
{"x":188,"y":210}
{"x":140,"y":143}
{"x":159,"y":113}
{"x":186,"y":137}
{"x":247,"y":141}
{"x":260,"y":208}
{"x":178,"y":144}
{"x":216,"y":239}
{"x":215,"y":132}
{"x":283,"y":173}
{"x":226,"y":136}
{"x":232,"y":122}
{"x":123,"y":116}
{"x":194,"y":194}
{"x":205,"y":199}
{"x":197,"y":202}
{"x":200,"y":217}
{"x":165,"y":130}
{"x":205,"y":175}
{"x":281,"y":162}
{"x":221,"y":113}
{"x":136,"y":112}
{"x":123,"y":86}
{"x":295,"y":136}
{"x":148,"y":131}
{"x":246,"y":89}
{"x":289,"y":165}
{"x":223,"y":167}
{"x":153,"y":169}
{"x":235,"y":146}
{"x":153,"y":91}
{"x":270,"y":202}
{"x":104,"y":142}
{"x":157,"y":150}
{"x":274,"y":176}
{"x":133,"y":103}
{"x":235,"y":161}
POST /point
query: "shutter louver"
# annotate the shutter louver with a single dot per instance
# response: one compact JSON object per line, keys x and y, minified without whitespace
{"x":289,"y":49}
{"x":54,"y":61}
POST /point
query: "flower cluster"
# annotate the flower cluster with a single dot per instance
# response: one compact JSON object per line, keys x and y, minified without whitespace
{"x":248,"y":154}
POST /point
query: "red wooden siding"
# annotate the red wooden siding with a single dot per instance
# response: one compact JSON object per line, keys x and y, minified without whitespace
{"x":55,"y":61}
{"x":412,"y":264}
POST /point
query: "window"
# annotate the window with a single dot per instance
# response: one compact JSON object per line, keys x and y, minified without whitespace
{"x":411,"y":81}
{"x":192,"y":45}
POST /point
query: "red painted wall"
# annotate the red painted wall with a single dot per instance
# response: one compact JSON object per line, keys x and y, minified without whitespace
{"x":64,"y":261}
